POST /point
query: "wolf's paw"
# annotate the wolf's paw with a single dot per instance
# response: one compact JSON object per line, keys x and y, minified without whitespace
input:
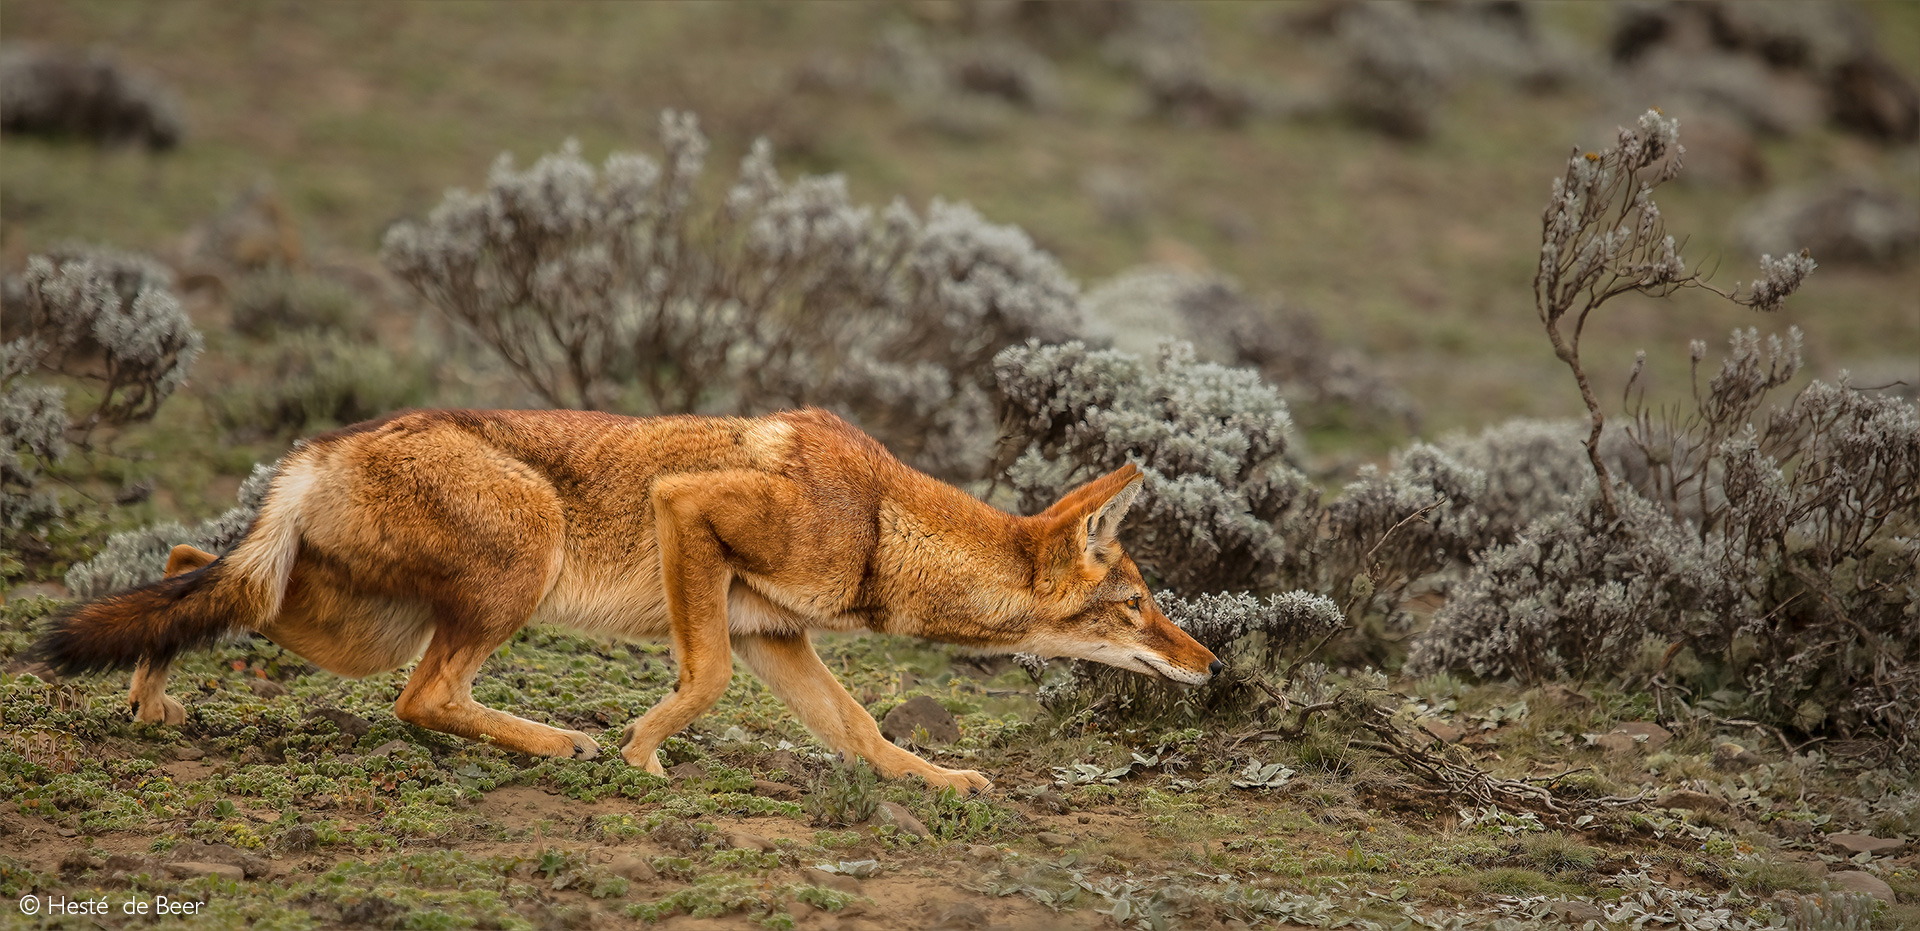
{"x":648,"y":760}
{"x":584,"y":746}
{"x":960,"y":780}
{"x":163,"y":710}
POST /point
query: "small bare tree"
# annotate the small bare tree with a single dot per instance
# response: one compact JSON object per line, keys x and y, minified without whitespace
{"x":1602,"y":236}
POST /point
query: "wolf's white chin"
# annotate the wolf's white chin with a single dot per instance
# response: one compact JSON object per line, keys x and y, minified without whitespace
{"x":1174,"y":672}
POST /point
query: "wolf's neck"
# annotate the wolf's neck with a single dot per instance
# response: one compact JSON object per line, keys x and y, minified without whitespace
{"x":949,"y":567}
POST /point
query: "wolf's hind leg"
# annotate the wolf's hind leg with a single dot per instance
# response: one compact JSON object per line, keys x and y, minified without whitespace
{"x":790,"y":667}
{"x":148,"y":695}
{"x":439,"y":694}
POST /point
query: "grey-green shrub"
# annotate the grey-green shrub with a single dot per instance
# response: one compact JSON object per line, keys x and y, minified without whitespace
{"x":324,"y":379}
{"x":1784,"y":552}
{"x":1532,"y":467}
{"x":140,"y":556}
{"x":595,"y":286}
{"x":1221,"y":502}
{"x":1322,"y":383}
{"x":107,"y":317}
{"x":269,"y":303}
{"x":101,"y":316}
{"x":1575,"y":595}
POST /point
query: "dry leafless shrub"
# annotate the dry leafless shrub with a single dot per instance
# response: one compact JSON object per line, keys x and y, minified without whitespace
{"x":1602,"y":236}
{"x":628,"y":288}
{"x":1781,"y":547}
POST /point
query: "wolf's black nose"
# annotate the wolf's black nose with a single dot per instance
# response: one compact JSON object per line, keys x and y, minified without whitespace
{"x":1215,"y":667}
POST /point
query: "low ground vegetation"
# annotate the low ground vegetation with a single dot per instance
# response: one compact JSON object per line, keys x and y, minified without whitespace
{"x":1651,"y":667}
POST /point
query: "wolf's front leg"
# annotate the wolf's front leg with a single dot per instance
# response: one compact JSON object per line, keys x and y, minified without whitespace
{"x":695,"y":577}
{"x":790,"y":667}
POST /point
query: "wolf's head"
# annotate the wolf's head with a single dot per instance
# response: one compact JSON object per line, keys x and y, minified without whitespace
{"x":1096,"y":605}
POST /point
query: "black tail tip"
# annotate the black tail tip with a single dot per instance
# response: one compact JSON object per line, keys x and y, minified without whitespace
{"x":63,"y":648}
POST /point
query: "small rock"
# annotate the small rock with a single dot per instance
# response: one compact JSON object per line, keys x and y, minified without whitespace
{"x":1052,"y":801}
{"x":1792,"y":828}
{"x":1656,"y":736}
{"x":1857,"y":881}
{"x":687,"y":770}
{"x":983,"y":852}
{"x":779,"y":791}
{"x":188,"y":869}
{"x":33,"y":668}
{"x":1052,"y":839}
{"x":1693,"y":801}
{"x":1442,"y":731}
{"x":77,"y":862}
{"x":840,"y":881}
{"x":267,"y":688}
{"x":1862,"y":843}
{"x":897,"y":815}
{"x":741,"y":840}
{"x":1810,"y":861}
{"x":1616,"y":743}
{"x":189,"y":754}
{"x":1577,"y":913}
{"x":633,"y":868}
{"x":350,"y":724}
{"x":67,"y":832}
{"x":1730,"y":757}
{"x":915,"y":714}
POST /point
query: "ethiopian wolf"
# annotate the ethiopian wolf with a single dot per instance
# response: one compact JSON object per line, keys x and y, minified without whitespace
{"x":448,"y":531}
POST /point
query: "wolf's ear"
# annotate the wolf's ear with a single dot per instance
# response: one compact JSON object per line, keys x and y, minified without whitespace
{"x":1089,"y":516}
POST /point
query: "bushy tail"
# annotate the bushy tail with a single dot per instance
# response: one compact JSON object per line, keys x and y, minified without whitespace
{"x":154,"y":622}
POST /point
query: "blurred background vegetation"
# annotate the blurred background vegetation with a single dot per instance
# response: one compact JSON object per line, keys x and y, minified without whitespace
{"x":1345,"y":197}
{"x":309,"y":128}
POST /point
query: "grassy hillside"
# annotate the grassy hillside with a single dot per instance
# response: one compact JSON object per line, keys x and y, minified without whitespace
{"x":295,"y":799}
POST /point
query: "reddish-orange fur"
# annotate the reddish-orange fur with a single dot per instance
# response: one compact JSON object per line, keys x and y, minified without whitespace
{"x":450,"y":530}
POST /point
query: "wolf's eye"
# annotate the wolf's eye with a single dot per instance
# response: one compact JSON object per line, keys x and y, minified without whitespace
{"x":1134,"y":603}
